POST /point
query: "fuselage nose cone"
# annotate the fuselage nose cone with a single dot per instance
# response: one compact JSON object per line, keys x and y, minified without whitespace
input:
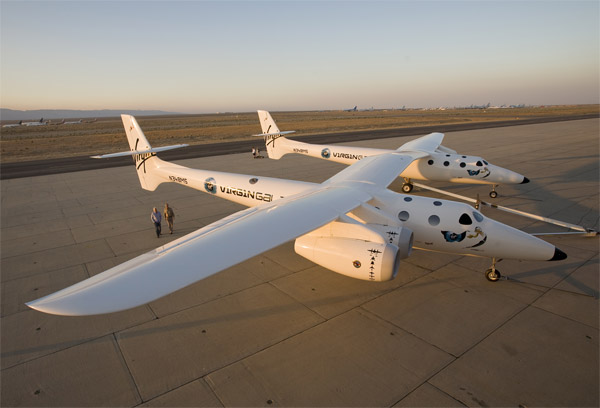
{"x":525,"y":180}
{"x":558,"y":255}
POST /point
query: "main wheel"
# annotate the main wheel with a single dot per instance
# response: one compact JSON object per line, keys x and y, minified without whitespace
{"x":493,"y":275}
{"x":493,"y":194}
{"x":407,"y":188}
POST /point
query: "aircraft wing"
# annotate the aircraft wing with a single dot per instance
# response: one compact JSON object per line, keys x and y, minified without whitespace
{"x":427,"y":144}
{"x":203,"y":253}
{"x":380,"y":170}
{"x":383,"y":169}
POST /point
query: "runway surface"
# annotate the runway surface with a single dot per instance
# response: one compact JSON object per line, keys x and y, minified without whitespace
{"x":277,"y":330}
{"x":80,"y":163}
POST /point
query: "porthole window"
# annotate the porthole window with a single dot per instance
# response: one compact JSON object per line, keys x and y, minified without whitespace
{"x":437,"y":203}
{"x":408,"y":199}
{"x":403,"y":215}
{"x":446,"y":163}
{"x":447,"y":155}
{"x":465,"y":220}
{"x":430,"y":162}
{"x":464,"y":157}
{"x":434,"y":220}
{"x":462,"y":164}
{"x":477,"y":216}
{"x":253,"y":180}
{"x":479,"y":163}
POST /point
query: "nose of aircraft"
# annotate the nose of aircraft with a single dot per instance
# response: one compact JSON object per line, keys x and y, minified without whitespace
{"x":510,"y":243}
{"x":500,"y":175}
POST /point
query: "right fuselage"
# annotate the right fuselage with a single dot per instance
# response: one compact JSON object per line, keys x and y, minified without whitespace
{"x":439,"y":225}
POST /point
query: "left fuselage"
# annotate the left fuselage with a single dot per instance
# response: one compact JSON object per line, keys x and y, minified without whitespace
{"x":438,"y":166}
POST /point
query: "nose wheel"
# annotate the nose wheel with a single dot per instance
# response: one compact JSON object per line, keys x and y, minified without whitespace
{"x":493,"y":274}
{"x":493,"y":193}
{"x":407,"y":186}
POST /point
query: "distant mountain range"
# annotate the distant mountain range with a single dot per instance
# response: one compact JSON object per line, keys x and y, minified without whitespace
{"x":11,"y":114}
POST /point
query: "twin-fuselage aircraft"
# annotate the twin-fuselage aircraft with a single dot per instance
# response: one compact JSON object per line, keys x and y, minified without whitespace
{"x":442,"y":164}
{"x":351,"y":224}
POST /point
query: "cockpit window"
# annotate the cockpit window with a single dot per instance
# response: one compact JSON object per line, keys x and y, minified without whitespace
{"x":465,"y":220}
{"x":477,"y":216}
{"x":486,"y":163}
{"x":479,"y":163}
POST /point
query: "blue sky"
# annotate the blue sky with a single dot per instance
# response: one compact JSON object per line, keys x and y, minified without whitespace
{"x":202,"y":56}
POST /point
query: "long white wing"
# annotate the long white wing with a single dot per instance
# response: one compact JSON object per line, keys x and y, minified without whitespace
{"x":380,"y":170}
{"x":427,"y":144}
{"x":202,"y":253}
{"x":383,"y":169}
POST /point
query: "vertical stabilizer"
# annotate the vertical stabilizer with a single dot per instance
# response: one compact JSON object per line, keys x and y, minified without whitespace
{"x":276,"y":144}
{"x":267,"y":123}
{"x":145,"y":162}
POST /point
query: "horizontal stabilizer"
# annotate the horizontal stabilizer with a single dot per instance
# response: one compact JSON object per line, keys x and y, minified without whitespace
{"x":276,"y":133}
{"x":134,"y":152}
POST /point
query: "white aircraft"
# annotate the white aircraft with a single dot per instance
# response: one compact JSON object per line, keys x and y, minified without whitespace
{"x":13,"y":125}
{"x":441,"y":164}
{"x":351,"y":224}
{"x":38,"y":123}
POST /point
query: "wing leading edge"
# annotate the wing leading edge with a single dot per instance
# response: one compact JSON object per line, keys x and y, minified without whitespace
{"x":202,"y":253}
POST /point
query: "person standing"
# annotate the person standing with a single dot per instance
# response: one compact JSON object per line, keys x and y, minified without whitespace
{"x":169,"y":216}
{"x":156,"y":218}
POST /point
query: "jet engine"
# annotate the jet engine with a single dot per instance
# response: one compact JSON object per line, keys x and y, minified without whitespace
{"x":357,"y":250}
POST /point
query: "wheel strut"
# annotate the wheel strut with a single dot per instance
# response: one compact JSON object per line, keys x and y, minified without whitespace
{"x":407,"y":186}
{"x":493,"y":274}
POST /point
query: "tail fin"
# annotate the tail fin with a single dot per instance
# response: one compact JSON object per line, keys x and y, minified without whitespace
{"x":267,"y":123}
{"x":145,"y":163}
{"x":144,"y":155}
{"x":271,"y":133}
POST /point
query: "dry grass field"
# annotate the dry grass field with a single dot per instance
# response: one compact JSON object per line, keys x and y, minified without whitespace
{"x":106,"y":135}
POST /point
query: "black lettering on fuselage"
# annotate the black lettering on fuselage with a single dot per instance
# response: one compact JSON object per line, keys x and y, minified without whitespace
{"x":348,"y":156}
{"x":240,"y":192}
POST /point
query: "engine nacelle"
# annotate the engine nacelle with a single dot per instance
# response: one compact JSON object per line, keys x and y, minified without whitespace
{"x":402,"y":237}
{"x":351,"y":257}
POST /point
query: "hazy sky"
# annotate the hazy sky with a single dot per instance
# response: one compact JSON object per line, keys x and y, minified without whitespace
{"x":202,"y":56}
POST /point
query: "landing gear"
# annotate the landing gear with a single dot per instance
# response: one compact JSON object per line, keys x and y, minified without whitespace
{"x":407,"y":186}
{"x":493,"y":193}
{"x":493,"y":274}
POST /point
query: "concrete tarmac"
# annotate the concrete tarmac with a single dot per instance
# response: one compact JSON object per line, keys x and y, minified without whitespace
{"x":277,"y":330}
